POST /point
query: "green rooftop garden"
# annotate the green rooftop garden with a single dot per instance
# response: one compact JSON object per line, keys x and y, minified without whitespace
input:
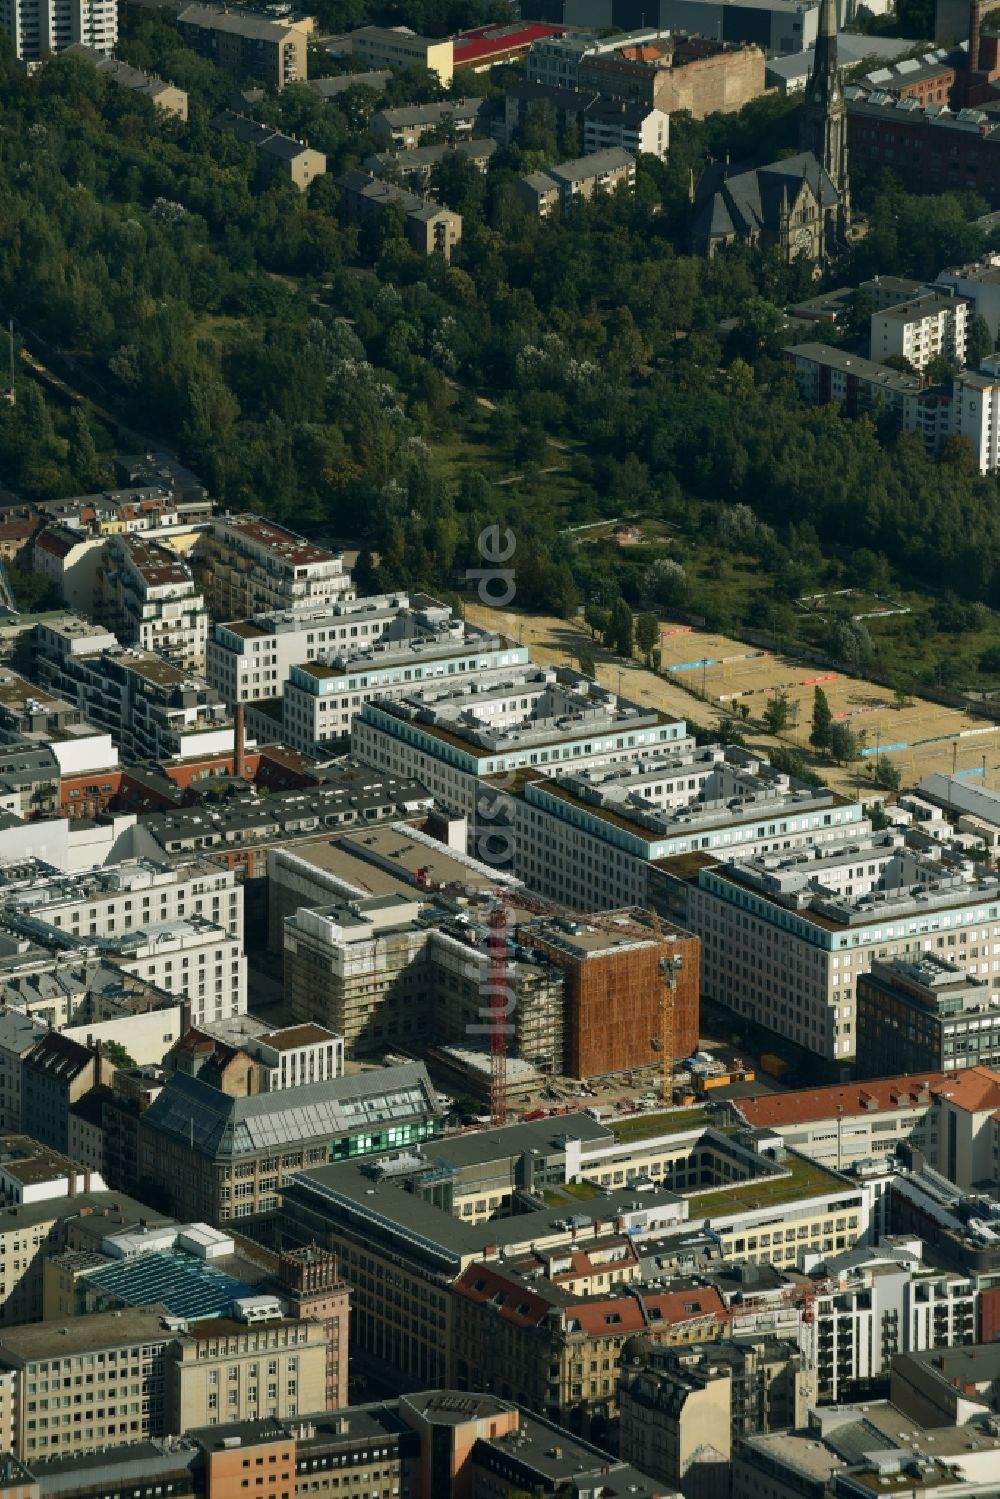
{"x":804,"y":1179}
{"x":645,"y":1126}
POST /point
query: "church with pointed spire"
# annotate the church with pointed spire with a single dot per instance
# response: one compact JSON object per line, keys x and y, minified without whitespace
{"x":800,"y":206}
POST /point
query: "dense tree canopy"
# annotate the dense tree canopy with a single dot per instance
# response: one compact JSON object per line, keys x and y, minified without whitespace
{"x":324,"y":376}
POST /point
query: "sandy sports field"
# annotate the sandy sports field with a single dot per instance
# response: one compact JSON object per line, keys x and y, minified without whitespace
{"x":919,"y":738}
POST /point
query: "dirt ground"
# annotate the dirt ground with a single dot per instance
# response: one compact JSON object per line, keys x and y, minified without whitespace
{"x":718,"y":673}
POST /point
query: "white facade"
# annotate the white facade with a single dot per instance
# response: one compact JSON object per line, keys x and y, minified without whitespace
{"x":790,"y":958}
{"x":249,"y":659}
{"x":970,"y":410}
{"x":321,"y":699}
{"x":980,"y":283}
{"x":296,"y":1056}
{"x":147,"y":1037}
{"x":149,"y":597}
{"x":129,"y":897}
{"x":197,"y":960}
{"x":39,"y":27}
{"x":976,"y":416}
{"x":16,"y":1193}
{"x":922,"y":330}
{"x":650,"y":134}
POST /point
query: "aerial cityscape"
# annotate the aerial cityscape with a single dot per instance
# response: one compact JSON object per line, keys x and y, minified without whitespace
{"x":500,"y":749}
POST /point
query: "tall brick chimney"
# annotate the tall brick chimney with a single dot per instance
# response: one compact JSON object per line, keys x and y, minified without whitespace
{"x":239,"y":739}
{"x":974,"y":19}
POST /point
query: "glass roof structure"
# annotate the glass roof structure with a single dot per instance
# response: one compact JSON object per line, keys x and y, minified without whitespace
{"x":185,"y":1285}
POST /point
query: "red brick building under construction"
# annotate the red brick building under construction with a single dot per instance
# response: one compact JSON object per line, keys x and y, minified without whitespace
{"x":623,"y":978}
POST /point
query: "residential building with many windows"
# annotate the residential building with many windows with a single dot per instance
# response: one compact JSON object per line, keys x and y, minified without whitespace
{"x":248,"y":45}
{"x":147,"y":597}
{"x":248,"y":565}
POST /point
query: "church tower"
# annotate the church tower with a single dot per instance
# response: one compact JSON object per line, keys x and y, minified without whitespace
{"x":824,"y":121}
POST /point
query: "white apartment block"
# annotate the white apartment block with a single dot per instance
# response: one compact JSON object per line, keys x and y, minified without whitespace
{"x":785,"y":935}
{"x":976,"y":413}
{"x":192,"y":958}
{"x":152,"y":709}
{"x":248,"y":565}
{"x":147,"y":596}
{"x":452,"y":736}
{"x":880,"y":1303}
{"x":248,"y":660}
{"x":119,"y":899}
{"x":322,"y":697}
{"x":831,"y":376}
{"x":979,"y":283}
{"x":921,"y":330}
{"x":40,"y":27}
{"x":637,"y":130}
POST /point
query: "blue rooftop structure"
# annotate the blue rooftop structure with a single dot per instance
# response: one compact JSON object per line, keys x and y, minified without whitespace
{"x":188,"y":1287}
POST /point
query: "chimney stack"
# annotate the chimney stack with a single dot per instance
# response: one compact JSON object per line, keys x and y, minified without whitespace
{"x":239,"y":739}
{"x":974,"y":17}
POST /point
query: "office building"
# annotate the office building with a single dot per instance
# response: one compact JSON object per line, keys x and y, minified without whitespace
{"x":786,"y":935}
{"x":946,"y":1116}
{"x":248,"y":45}
{"x":663,"y":806}
{"x":505,"y":1280}
{"x":188,"y":1374}
{"x":222,"y":1155}
{"x":323,"y":696}
{"x":38,"y":28}
{"x":147,"y":597}
{"x":521,"y":716}
{"x":421,"y":1444}
{"x":248,"y":660}
{"x":30,"y":1231}
{"x":927,"y":1015}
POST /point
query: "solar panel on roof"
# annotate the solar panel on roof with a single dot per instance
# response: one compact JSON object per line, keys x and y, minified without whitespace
{"x":880,"y":75}
{"x":908,"y":65}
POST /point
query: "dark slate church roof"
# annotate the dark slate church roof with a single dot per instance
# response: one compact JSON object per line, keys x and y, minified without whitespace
{"x":748,"y":200}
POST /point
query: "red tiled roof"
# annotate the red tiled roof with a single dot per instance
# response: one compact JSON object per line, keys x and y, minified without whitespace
{"x":484,"y":42}
{"x":481,"y":1284}
{"x":975,"y":1089}
{"x":55,"y":543}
